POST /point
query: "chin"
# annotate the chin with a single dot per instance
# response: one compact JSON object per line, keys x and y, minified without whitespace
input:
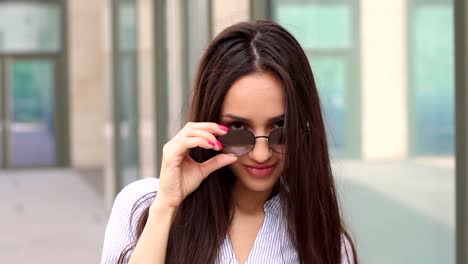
{"x":257,"y":187}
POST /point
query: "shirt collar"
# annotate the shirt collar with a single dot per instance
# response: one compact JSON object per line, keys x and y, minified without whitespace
{"x":273,"y":205}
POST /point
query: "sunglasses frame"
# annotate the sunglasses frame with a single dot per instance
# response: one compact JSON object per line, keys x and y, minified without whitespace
{"x":255,"y":140}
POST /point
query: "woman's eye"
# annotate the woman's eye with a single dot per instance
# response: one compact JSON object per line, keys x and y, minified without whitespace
{"x":278,"y":124}
{"x":236,"y":125}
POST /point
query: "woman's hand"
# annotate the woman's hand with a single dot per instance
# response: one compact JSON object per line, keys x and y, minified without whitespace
{"x":180,"y":174}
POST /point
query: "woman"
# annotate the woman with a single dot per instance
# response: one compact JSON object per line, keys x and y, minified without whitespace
{"x":248,"y":179}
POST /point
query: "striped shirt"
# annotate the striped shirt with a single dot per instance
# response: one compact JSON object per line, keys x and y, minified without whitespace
{"x":272,"y":244}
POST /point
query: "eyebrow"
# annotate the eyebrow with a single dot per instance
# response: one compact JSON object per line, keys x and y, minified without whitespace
{"x":245,"y":120}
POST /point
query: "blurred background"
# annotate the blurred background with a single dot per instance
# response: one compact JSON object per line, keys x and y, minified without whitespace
{"x":91,"y":90}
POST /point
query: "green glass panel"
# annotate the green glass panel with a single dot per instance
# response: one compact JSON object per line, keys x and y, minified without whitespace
{"x":433,"y":80}
{"x":29,"y":27}
{"x":316,"y":26}
{"x":330,"y":76}
{"x":127,"y":25}
{"x":32,"y":122}
{"x":127,"y":93}
{"x":2,"y":117}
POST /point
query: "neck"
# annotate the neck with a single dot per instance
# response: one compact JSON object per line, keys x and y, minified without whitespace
{"x":249,"y":202}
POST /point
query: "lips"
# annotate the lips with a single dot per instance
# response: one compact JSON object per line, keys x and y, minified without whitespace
{"x":260,"y":171}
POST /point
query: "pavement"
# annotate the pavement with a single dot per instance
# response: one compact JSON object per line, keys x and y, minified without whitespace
{"x":50,"y":216}
{"x":399,"y":211}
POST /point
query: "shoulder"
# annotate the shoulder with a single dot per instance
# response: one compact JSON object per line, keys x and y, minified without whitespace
{"x":127,"y":209}
{"x":347,"y":252}
{"x":132,"y":200}
{"x":135,"y":191}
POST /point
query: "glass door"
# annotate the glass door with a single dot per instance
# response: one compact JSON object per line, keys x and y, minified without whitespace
{"x":2,"y":114}
{"x":28,"y":112}
{"x":126,"y":92}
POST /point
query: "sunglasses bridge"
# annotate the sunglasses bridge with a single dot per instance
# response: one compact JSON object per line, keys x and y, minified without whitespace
{"x":267,"y":138}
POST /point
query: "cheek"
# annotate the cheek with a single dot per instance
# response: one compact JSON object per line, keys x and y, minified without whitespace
{"x":281,"y":158}
{"x":236,"y":166}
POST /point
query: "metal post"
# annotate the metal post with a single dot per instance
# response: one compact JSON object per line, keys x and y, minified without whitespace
{"x":160,"y":80}
{"x":461,"y":117}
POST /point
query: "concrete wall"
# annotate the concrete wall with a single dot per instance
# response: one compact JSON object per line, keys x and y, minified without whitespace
{"x":384,"y":79}
{"x":146,"y":87}
{"x":87,"y":81}
{"x":175,"y":68}
{"x":226,"y":13}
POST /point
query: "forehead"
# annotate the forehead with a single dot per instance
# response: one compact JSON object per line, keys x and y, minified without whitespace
{"x":255,"y":96}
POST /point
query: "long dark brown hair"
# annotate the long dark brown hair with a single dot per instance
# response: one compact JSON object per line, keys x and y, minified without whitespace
{"x":307,"y":189}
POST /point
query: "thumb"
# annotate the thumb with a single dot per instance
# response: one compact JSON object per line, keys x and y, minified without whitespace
{"x":216,"y":163}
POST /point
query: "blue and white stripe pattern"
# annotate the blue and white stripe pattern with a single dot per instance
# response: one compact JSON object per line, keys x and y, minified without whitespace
{"x":271,"y":246}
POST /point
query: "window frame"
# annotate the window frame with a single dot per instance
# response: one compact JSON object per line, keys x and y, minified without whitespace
{"x":116,"y":63}
{"x":461,"y":129}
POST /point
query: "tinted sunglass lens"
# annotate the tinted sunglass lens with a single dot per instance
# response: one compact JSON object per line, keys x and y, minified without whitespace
{"x":237,"y":142}
{"x":277,"y":140}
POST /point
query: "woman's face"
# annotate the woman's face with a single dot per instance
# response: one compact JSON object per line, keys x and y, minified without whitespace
{"x":256,"y":103}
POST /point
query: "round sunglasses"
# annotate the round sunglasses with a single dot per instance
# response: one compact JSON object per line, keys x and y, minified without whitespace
{"x":241,"y":141}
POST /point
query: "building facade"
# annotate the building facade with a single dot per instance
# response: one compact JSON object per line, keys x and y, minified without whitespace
{"x":102,"y":85}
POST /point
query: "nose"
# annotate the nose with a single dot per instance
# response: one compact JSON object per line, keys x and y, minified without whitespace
{"x":261,"y":151}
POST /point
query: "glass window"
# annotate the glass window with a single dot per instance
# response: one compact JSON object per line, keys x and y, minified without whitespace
{"x":317,"y":26}
{"x":330,"y":78}
{"x":32,"y":127}
{"x":2,"y":117}
{"x":126,"y":92}
{"x":29,"y":27}
{"x":127,"y":26}
{"x":431,"y":46}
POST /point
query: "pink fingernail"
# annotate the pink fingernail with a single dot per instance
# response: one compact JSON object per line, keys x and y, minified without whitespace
{"x":223,"y":128}
{"x":220,"y":146}
{"x":211,"y":143}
